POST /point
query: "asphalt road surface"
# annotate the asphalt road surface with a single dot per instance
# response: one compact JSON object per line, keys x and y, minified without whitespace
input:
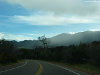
{"x":35,"y":67}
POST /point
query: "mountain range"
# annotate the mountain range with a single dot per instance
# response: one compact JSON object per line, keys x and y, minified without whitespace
{"x":63,"y":39}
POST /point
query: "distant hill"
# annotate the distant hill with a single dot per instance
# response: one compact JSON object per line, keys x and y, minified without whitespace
{"x":29,"y":44}
{"x":69,"y":39}
{"x":64,"y":39}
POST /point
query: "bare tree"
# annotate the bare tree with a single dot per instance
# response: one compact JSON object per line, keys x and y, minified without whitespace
{"x":44,"y":41}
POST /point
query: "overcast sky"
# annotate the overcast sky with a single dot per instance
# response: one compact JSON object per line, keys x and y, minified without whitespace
{"x":28,"y":19}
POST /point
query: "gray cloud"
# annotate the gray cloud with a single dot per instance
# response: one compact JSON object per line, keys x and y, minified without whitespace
{"x":76,"y":7}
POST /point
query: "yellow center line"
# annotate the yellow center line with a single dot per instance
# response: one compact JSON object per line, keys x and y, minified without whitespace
{"x":39,"y":70}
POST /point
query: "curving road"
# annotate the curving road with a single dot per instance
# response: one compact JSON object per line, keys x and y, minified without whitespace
{"x":34,"y":67}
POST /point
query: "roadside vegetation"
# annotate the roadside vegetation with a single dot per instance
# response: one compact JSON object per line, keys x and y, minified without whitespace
{"x":7,"y":52}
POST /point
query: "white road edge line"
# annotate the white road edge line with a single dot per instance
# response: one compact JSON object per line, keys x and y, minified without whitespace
{"x":66,"y":69}
{"x":14,"y":68}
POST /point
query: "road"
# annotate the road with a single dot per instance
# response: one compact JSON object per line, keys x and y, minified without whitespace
{"x":35,"y":67}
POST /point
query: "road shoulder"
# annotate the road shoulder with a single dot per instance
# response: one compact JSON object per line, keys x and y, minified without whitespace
{"x":76,"y":70}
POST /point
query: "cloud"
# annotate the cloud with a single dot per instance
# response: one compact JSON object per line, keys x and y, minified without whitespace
{"x":94,"y":30}
{"x":1,"y":35}
{"x":73,"y":33}
{"x":76,"y":7}
{"x":15,"y":37}
{"x":57,"y":12}
{"x":92,"y":1}
{"x":49,"y":19}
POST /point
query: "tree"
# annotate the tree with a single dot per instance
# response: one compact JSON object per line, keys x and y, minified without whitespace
{"x":44,"y":41}
{"x":7,"y":52}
